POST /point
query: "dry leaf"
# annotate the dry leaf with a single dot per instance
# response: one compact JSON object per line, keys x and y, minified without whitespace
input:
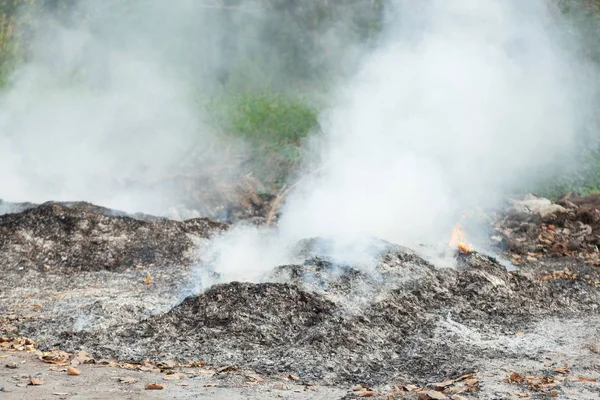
{"x":442,"y":385}
{"x":562,"y":370}
{"x":148,"y":280}
{"x":366,"y":394}
{"x":72,"y":371}
{"x":55,"y":357}
{"x":356,"y":388}
{"x":35,"y":382}
{"x":81,"y":357}
{"x":174,"y":377}
{"x":515,"y":377}
{"x":432,"y":394}
{"x":154,"y":386}
{"x":210,"y":385}
{"x":293,"y":377}
{"x":585,"y":379}
{"x":472,"y":382}
{"x":463,"y":377}
{"x":228,"y":368}
{"x":182,"y":384}
{"x":410,"y":388}
{"x":128,"y":379}
{"x":519,"y":334}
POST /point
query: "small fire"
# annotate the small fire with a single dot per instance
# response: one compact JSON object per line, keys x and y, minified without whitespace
{"x":459,"y":240}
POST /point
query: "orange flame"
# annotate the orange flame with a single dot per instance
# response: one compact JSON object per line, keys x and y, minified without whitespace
{"x":459,"y":240}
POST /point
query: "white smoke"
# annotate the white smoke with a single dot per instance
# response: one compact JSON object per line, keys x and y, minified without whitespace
{"x":461,"y":100}
{"x":110,"y":101}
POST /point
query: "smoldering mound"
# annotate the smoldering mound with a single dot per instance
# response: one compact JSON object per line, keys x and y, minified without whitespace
{"x":308,"y":319}
{"x":83,"y":236}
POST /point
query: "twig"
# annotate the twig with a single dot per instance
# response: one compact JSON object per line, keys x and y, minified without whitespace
{"x":275,"y":204}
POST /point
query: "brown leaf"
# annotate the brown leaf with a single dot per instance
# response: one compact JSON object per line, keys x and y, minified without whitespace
{"x":128,"y":379}
{"x":435,"y":395}
{"x":34,"y":381}
{"x":366,"y":394}
{"x":472,"y":382}
{"x":293,"y":377}
{"x":462,"y":378}
{"x":519,"y":334}
{"x":183,"y":384}
{"x":228,"y":368}
{"x":154,"y":386}
{"x":55,"y":357}
{"x":562,"y":370}
{"x":72,"y":371}
{"x":174,"y":377}
{"x":148,"y":280}
{"x":81,"y":357}
{"x":442,"y":385}
{"x":586,"y":379}
{"x":515,"y":377}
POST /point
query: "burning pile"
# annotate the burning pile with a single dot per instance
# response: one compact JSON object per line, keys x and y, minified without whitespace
{"x":458,"y":239}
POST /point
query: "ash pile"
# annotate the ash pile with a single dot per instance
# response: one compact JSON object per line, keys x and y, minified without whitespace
{"x":81,"y":236}
{"x":402,"y":319}
{"x":337,"y":323}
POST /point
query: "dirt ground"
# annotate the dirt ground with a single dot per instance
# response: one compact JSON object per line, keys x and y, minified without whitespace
{"x":80,"y":289}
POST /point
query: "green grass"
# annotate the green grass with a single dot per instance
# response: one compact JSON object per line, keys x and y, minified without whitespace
{"x":272,"y":125}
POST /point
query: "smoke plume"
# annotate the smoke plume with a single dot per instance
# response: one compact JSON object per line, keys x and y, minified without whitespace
{"x":461,"y":101}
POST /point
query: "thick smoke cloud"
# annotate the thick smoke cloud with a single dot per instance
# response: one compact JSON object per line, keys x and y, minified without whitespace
{"x":110,"y":101}
{"x":462,"y":101}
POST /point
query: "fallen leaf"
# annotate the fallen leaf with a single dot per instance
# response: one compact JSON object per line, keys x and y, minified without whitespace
{"x":168,"y":364}
{"x":210,"y":384}
{"x":366,"y":394}
{"x":154,"y":386}
{"x":128,"y":379}
{"x":81,"y":357}
{"x":435,"y":395}
{"x":356,"y":388}
{"x":174,"y":377}
{"x":4,"y":356}
{"x":293,"y":377}
{"x":562,"y":370}
{"x":148,"y":280}
{"x":586,"y":379}
{"x":228,"y":368}
{"x":442,"y":385}
{"x":35,"y":382}
{"x":519,"y":334}
{"x":515,"y":377}
{"x":183,"y":384}
{"x":472,"y":382}
{"x":55,"y":357}
{"x":72,"y":371}
{"x":463,"y":377}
